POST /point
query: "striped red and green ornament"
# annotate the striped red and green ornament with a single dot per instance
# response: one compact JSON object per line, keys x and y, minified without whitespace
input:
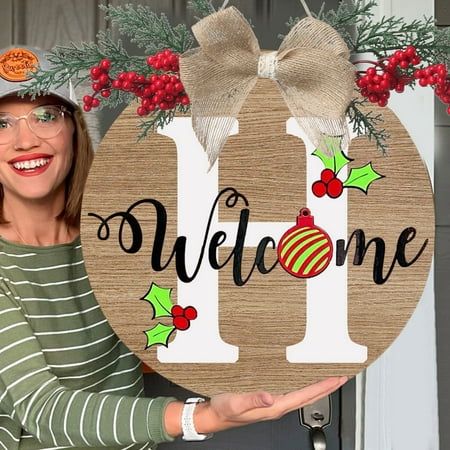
{"x":305,"y":250}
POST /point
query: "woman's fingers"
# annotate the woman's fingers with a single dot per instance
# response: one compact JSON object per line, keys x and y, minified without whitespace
{"x":310,"y":394}
{"x":257,"y":406}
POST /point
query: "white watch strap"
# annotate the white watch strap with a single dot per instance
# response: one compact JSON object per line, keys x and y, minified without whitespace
{"x":187,"y":421}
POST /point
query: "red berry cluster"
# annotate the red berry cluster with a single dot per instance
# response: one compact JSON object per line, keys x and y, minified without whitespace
{"x":328,"y":184}
{"x":436,"y":77}
{"x":165,"y":60}
{"x":101,"y":83}
{"x":182,"y":316}
{"x":155,"y":91}
{"x":392,"y":74}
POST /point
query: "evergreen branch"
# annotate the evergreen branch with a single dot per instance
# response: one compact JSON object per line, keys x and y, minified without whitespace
{"x":148,"y":30}
{"x":201,"y":7}
{"x":367,"y":123}
{"x":344,"y":18}
{"x":73,"y":62}
{"x":159,"y":119}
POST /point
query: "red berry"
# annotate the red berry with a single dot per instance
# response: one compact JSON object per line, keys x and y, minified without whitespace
{"x":95,"y":102}
{"x":87,"y":108}
{"x":185,"y":100}
{"x":105,"y":64}
{"x":371,"y":72}
{"x":361,"y":82}
{"x":178,"y":87}
{"x":87,"y":100}
{"x":390,"y":67}
{"x":177,"y":310}
{"x":327,"y":175}
{"x":96,"y":86}
{"x":335,"y":188}
{"x":103,"y":79}
{"x":116,"y":84}
{"x":142,"y":111}
{"x":169,"y":88}
{"x":105,"y":93}
{"x":181,"y":323}
{"x":319,"y":188}
{"x":146,"y":103}
{"x":410,"y":51}
{"x":190,"y":313}
{"x":96,"y":72}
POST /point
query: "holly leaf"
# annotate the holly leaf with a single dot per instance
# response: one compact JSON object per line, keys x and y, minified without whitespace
{"x":160,"y":300}
{"x":159,"y":334}
{"x":362,"y":177}
{"x":339,"y":158}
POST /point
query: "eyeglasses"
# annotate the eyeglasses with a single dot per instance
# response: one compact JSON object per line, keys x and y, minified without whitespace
{"x":44,"y":121}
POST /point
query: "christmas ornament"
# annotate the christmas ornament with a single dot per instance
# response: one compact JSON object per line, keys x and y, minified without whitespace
{"x":305,"y":250}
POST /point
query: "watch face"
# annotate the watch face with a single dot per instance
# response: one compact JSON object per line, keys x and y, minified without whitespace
{"x":194,"y":400}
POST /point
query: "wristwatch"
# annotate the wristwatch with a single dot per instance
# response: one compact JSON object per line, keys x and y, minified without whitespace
{"x":187,"y":421}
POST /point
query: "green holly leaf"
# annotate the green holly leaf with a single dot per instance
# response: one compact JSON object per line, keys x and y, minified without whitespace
{"x":339,"y":158}
{"x":362,"y":177}
{"x":159,"y":335}
{"x":160,"y":300}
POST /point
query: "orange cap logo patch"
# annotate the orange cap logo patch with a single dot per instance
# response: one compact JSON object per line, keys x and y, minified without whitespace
{"x":17,"y":63}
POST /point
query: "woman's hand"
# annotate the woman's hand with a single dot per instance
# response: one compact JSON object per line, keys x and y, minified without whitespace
{"x":225,"y":411}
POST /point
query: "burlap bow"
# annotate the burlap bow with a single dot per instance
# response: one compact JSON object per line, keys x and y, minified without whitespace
{"x":311,"y":69}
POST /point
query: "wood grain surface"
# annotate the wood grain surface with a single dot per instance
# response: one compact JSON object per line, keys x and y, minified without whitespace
{"x":268,"y":313}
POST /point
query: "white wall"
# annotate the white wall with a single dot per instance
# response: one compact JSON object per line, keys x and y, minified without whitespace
{"x":401,"y":408}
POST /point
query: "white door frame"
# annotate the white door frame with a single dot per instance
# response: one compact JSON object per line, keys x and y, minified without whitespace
{"x":397,"y":395}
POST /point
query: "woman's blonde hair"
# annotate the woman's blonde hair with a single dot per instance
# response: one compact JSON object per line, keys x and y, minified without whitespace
{"x":83,"y":155}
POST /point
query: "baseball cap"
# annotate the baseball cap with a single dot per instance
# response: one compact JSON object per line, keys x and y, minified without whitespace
{"x":16,"y":67}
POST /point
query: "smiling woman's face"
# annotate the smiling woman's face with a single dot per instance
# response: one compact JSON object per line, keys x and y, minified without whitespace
{"x":33,"y":168}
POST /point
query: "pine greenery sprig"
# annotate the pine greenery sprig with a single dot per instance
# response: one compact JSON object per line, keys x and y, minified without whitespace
{"x":159,"y":120}
{"x":156,"y":35}
{"x":201,"y":7}
{"x":368,"y":123}
{"x":72,"y":62}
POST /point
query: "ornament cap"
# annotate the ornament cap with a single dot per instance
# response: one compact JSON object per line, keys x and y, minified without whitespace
{"x":304,"y":218}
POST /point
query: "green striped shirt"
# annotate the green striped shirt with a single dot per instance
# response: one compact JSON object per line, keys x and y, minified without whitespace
{"x":66,"y":379}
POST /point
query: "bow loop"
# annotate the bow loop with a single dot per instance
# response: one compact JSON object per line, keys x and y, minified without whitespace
{"x":311,"y":69}
{"x":229,"y":49}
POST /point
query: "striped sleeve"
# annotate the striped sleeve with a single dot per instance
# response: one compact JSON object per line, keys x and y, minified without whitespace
{"x":58,"y":416}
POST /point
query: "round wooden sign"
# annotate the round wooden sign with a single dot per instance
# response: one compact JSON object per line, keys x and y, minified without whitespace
{"x":276,"y":268}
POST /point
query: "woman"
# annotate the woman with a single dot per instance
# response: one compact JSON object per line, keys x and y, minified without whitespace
{"x":66,"y":380}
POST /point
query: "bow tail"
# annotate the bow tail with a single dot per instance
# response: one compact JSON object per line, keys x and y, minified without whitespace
{"x":212,"y":133}
{"x":213,"y":116}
